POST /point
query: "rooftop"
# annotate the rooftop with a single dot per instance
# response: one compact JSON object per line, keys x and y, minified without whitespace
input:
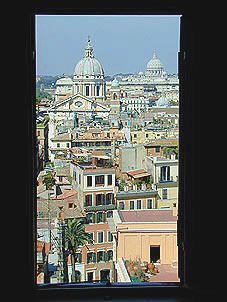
{"x":135,"y":194}
{"x":154,"y":215}
{"x":138,"y":173}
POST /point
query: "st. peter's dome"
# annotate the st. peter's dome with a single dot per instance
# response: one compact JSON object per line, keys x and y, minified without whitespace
{"x":154,"y":63}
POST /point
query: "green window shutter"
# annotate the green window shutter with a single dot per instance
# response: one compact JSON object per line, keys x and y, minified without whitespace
{"x":105,"y":256}
{"x":93,"y":217}
{"x":80,"y":258}
{"x":94,"y":257}
{"x":104,"y":217}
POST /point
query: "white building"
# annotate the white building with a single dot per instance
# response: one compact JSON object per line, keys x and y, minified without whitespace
{"x":88,"y":79}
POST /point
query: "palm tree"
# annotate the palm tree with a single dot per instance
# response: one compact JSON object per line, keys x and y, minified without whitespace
{"x":75,"y":236}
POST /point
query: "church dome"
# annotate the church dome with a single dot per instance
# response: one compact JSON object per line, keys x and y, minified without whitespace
{"x":88,"y":66}
{"x":115,"y":82}
{"x":162,"y":102}
{"x":64,"y":81}
{"x":154,"y":63}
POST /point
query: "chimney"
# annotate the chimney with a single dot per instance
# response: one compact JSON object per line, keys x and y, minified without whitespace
{"x":175,"y":210}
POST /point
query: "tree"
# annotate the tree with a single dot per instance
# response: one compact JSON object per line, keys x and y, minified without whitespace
{"x":49,"y":180}
{"x":75,"y":236}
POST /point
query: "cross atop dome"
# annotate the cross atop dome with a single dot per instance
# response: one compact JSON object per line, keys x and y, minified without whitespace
{"x":89,"y":49}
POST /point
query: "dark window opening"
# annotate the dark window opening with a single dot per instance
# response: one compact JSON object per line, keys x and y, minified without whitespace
{"x":90,"y":276}
{"x":105,"y":275}
{"x":99,"y":180}
{"x":89,"y":181}
{"x":155,"y":253}
{"x":88,"y":200}
{"x":109,"y":180}
{"x":131,"y":204}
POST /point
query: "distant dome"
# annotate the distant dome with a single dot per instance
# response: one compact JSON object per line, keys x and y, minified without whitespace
{"x":162,"y":102}
{"x":64,"y":81}
{"x":115,"y":82}
{"x":154,"y":63}
{"x":140,"y":73}
{"x":88,"y":66}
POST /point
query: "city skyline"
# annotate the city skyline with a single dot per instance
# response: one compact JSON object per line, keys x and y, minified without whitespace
{"x":124,"y":44}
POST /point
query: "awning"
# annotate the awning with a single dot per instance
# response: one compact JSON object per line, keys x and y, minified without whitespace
{"x":101,"y":156}
{"x":141,"y":175}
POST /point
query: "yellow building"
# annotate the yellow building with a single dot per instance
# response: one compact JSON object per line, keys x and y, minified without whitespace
{"x":144,"y":136}
{"x":148,"y":235}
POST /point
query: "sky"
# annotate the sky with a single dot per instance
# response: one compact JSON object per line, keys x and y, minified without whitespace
{"x":122,"y":44}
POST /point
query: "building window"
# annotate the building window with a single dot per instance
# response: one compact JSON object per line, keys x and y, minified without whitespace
{"x":58,"y":145}
{"x":67,"y":145}
{"x":70,"y":205}
{"x":149,"y":204}
{"x":87,"y":90}
{"x":89,"y":218}
{"x":110,"y":237}
{"x":79,"y":180}
{"x":74,"y":175}
{"x":109,"y":255}
{"x":91,"y":235}
{"x":147,"y":135}
{"x":88,"y":200}
{"x":109,"y":198}
{"x":100,"y":237}
{"x":91,"y":257}
{"x":100,"y":256}
{"x":135,"y":135}
{"x":131,"y":204}
{"x":100,"y":199}
{"x":100,"y":217}
{"x":97,"y":90}
{"x":89,"y":181}
{"x":138,"y":204}
{"x":78,"y":257}
{"x":121,"y":205}
{"x":165,"y":173}
{"x":99,"y":180}
{"x":157,"y":149}
{"x":109,"y":214}
{"x":109,"y":180}
{"x":164,"y":194}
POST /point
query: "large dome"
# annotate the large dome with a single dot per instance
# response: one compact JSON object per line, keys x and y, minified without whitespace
{"x":162,"y":102}
{"x":88,"y":66}
{"x":154,"y":63}
{"x":64,"y":81}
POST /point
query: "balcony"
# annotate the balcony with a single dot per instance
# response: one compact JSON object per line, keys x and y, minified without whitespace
{"x":99,"y":208}
{"x":165,"y":179}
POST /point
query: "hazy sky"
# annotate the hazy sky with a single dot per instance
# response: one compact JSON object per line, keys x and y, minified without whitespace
{"x":121,"y":43}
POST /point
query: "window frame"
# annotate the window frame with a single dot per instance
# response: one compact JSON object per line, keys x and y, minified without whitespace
{"x":100,"y":232}
{"x":30,"y":49}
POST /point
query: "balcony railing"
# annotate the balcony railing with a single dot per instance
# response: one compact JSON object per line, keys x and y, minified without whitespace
{"x":166,"y":179}
{"x":100,"y":207}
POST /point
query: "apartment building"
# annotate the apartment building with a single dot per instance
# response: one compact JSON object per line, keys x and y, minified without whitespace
{"x":148,"y":235}
{"x":95,"y":183}
{"x":136,"y":200}
{"x":164,"y":172}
